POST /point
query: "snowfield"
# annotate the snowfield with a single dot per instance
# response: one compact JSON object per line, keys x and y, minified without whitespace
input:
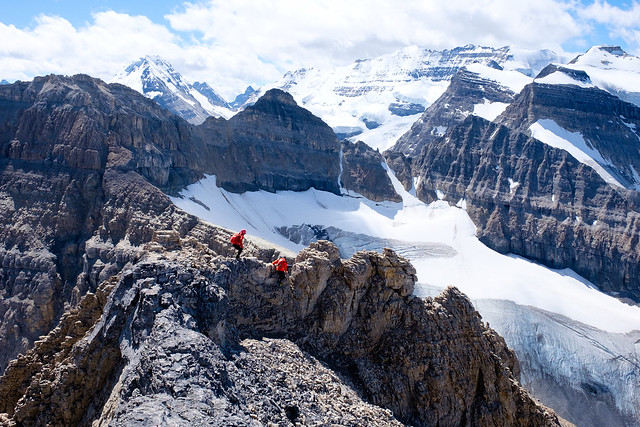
{"x":456,"y":257}
{"x":578,"y":347}
{"x":549,"y":132}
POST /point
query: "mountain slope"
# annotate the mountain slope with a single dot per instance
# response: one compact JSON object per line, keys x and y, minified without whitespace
{"x":468,"y":93}
{"x":145,"y":316}
{"x":612,"y":69}
{"x":155,"y":78}
{"x":441,"y":242}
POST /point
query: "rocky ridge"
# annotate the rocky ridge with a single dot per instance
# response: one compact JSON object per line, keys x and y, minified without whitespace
{"x":81,"y":163}
{"x":607,"y":124}
{"x":456,"y":103}
{"x":182,"y":337}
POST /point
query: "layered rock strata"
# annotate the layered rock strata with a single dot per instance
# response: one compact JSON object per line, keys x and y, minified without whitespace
{"x":80,"y":167}
{"x":362,"y":172}
{"x":607,"y":125}
{"x":466,"y":90}
{"x":530,"y":198}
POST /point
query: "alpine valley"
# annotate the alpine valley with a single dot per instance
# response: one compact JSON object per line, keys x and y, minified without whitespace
{"x":462,"y":228}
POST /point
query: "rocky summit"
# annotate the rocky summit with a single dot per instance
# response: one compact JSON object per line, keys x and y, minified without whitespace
{"x":120,"y":309}
{"x":187,"y":337}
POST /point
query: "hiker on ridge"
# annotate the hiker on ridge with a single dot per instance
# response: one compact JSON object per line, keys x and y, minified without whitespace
{"x":281,"y":269}
{"x":237,"y":242}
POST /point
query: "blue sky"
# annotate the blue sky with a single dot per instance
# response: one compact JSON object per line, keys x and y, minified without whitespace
{"x":79,"y":12}
{"x":234,"y":43}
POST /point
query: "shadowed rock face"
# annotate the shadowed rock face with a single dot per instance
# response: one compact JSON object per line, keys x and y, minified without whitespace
{"x":181,"y":337}
{"x":362,"y":172}
{"x":274,"y":145}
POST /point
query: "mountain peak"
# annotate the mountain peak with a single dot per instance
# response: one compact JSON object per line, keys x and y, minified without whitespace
{"x":155,"y":77}
{"x":614,"y":50}
{"x":607,"y":56}
{"x":574,"y":76}
{"x":280,"y":96}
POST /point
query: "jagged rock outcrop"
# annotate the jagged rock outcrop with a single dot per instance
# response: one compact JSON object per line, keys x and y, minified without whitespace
{"x":182,"y":339}
{"x":80,"y":167}
{"x":362,"y":172}
{"x":465,"y":91}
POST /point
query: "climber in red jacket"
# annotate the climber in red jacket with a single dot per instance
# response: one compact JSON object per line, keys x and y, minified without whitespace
{"x":281,"y":269}
{"x":237,"y":242}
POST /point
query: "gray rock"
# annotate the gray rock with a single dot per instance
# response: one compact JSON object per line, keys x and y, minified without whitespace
{"x":362,"y":172}
{"x":454,"y":105}
{"x":181,"y":340}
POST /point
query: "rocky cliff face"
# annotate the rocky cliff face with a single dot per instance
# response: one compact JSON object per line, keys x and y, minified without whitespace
{"x":274,"y":145}
{"x":465,"y":91}
{"x":534,"y":200}
{"x":608,"y":125}
{"x":181,"y":337}
{"x":531,"y":198}
{"x":127,"y":311}
{"x":362,"y":172}
{"x":80,"y":163}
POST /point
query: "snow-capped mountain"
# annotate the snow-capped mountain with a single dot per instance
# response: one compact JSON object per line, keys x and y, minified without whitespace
{"x":376,"y":100}
{"x":612,"y":69}
{"x":156,"y":78}
{"x":241,"y":100}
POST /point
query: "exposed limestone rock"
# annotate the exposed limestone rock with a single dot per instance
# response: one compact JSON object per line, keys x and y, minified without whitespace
{"x":555,"y":210}
{"x":400,"y":164}
{"x":180,"y":340}
{"x":529,"y":198}
{"x":274,"y":145}
{"x":80,"y":166}
{"x":606,"y":123}
{"x":136,"y":315}
{"x":465,"y":91}
{"x":363,"y":173}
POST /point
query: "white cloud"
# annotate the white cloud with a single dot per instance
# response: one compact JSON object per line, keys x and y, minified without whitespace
{"x":622,"y":23}
{"x":230,"y":44}
{"x":331,"y":31}
{"x":100,"y":49}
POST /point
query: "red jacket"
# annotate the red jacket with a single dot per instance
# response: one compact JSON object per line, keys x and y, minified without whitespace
{"x":281,"y":264}
{"x":236,"y":239}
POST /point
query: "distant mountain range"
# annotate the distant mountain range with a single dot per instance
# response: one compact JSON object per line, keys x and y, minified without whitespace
{"x":377,"y":100}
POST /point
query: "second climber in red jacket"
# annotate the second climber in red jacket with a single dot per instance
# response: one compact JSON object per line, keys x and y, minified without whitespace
{"x":281,"y":269}
{"x":237,"y":242}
